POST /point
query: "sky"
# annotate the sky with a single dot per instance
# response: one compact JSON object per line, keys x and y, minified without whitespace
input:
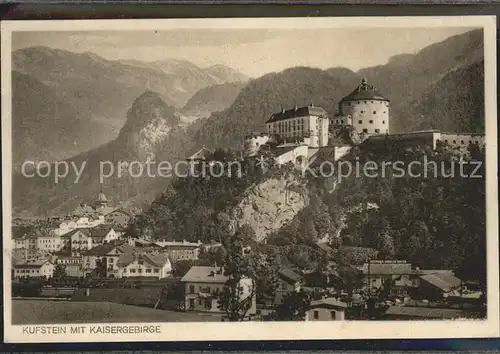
{"x":253,"y":52}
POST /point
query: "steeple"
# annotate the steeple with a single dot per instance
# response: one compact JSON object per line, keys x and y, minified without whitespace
{"x":101,"y":201}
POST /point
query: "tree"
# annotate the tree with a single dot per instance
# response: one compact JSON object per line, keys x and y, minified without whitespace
{"x":213,"y":256}
{"x":351,"y":279}
{"x":293,"y":307}
{"x":181,"y":267}
{"x":60,"y":271}
{"x":238,"y":295}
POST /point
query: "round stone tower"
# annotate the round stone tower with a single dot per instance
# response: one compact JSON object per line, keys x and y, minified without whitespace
{"x":368,"y":108}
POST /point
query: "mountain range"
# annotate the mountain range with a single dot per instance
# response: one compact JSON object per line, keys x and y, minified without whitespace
{"x":87,"y":87}
{"x":440,"y":87}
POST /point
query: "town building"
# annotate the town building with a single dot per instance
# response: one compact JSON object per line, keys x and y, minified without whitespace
{"x":142,"y":264}
{"x":328,"y":309}
{"x":288,"y":281}
{"x":72,"y":265}
{"x":108,"y":254}
{"x":49,"y":242}
{"x":34,"y":269}
{"x":118,"y":218}
{"x":182,"y":250}
{"x":437,"y":286}
{"x":408,"y":313}
{"x":379,"y":273}
{"x":100,"y":206}
{"x":203,"y":285}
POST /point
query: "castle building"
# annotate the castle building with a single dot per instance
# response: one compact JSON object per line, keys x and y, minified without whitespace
{"x":308,"y":125}
{"x":367,"y":109}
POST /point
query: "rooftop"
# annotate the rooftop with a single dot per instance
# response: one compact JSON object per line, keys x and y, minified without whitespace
{"x":387,"y":268}
{"x":157,"y":260}
{"x":364,"y":92}
{"x":328,"y":302}
{"x":203,"y":274}
{"x":289,"y":275}
{"x":428,"y":312}
{"x":306,"y":111}
{"x":443,"y":281}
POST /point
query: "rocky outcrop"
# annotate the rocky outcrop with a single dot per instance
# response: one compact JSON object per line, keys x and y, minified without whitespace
{"x":270,"y":205}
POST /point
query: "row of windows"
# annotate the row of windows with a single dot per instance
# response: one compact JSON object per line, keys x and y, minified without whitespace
{"x":381,"y":102}
{"x":148,"y":270}
{"x":374,"y":112}
{"x":288,"y":126}
{"x":454,"y":141}
{"x":333,"y":315}
{"x":376,"y":131}
{"x":27,"y":271}
{"x":370,"y":121}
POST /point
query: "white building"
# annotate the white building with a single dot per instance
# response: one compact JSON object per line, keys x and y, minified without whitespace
{"x":32,"y":269}
{"x":203,"y":285}
{"x":156,"y":265}
{"x":49,"y":242}
{"x":367,"y":109}
{"x":305,"y":124}
{"x":329,"y":309}
{"x":288,"y":282}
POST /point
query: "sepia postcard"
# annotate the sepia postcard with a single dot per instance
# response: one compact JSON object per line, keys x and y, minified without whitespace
{"x":250,"y":179}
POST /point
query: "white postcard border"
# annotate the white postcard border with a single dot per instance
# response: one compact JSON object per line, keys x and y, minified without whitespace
{"x":214,"y":331}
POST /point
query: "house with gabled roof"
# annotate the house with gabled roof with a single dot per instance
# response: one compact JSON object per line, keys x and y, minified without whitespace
{"x":288,"y":281}
{"x":439,"y":285}
{"x":119,"y":217}
{"x":327,"y":309}
{"x":107,"y":253}
{"x":144,"y":265}
{"x":34,"y":269}
{"x":203,"y":284}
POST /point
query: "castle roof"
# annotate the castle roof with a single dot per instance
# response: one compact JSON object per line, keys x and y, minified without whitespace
{"x":310,"y":110}
{"x":364,"y":92}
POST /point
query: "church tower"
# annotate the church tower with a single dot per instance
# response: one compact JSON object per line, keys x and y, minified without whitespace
{"x":368,"y":108}
{"x":102,"y":201}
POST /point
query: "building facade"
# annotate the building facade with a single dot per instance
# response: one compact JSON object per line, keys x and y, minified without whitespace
{"x":288,"y":281}
{"x":34,"y":269}
{"x":305,"y":124}
{"x":329,"y":309}
{"x":202,"y":286}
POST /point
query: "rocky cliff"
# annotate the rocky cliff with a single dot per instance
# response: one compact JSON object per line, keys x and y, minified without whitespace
{"x":270,"y":205}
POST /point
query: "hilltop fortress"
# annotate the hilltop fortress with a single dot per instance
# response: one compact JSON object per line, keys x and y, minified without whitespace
{"x":300,"y":134}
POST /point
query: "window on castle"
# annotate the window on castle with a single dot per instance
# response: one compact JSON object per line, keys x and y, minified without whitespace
{"x":374,"y":112}
{"x":462,"y":142}
{"x":349,"y":103}
{"x":454,"y":141}
{"x":371,"y":121}
{"x":366,"y":101}
{"x":360,"y":122}
{"x":362,"y":112}
{"x":383,"y":122}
